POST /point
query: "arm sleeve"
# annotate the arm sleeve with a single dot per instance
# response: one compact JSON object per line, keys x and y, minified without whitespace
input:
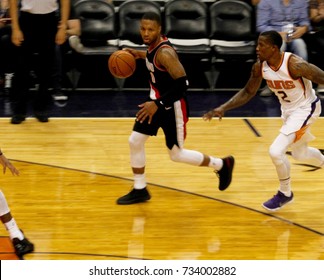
{"x":177,"y":91}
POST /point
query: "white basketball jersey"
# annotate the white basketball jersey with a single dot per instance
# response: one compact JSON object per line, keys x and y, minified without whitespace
{"x":291,"y":93}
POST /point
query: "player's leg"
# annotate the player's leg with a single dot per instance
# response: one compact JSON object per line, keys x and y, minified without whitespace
{"x":294,"y":130}
{"x":279,"y":158}
{"x":302,"y":152}
{"x":139,"y":193}
{"x":21,"y":244}
{"x":175,"y":132}
{"x":223,"y":167}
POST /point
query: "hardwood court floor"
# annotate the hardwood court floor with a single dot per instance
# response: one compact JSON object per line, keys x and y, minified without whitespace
{"x":73,"y":170}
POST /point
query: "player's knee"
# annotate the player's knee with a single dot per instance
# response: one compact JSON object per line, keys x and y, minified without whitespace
{"x":134,"y":142}
{"x":175,"y":155}
{"x":275,"y":155}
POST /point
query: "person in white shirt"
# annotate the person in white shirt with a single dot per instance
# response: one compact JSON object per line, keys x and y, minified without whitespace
{"x":36,"y":28}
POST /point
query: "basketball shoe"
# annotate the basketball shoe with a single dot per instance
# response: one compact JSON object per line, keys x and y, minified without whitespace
{"x":17,"y":119}
{"x":22,"y":247}
{"x":60,"y":99}
{"x":134,"y":196}
{"x":278,"y":201}
{"x":225,"y":173}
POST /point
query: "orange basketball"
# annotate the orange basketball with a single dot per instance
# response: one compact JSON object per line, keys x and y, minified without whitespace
{"x":121,"y":64}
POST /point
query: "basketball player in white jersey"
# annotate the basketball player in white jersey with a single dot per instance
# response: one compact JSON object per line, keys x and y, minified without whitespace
{"x":290,"y":78}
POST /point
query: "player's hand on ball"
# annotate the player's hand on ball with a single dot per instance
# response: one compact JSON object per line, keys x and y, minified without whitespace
{"x":132,"y":52}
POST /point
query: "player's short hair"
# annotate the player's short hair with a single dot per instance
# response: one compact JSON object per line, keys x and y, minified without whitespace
{"x":152,"y":16}
{"x":273,"y":37}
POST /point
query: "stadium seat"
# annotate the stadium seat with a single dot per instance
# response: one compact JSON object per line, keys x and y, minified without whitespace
{"x":186,"y":26}
{"x":232,"y":33}
{"x":129,"y":15}
{"x":98,"y":33}
{"x":98,"y":29}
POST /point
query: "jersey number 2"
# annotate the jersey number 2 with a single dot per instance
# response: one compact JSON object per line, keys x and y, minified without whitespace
{"x":283,"y":96}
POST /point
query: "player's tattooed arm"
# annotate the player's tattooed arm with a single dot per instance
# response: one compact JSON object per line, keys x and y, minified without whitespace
{"x":300,"y":68}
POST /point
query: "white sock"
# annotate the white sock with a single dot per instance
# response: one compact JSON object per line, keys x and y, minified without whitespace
{"x":285,"y":187}
{"x":216,"y":163}
{"x":139,"y":181}
{"x":14,"y":230}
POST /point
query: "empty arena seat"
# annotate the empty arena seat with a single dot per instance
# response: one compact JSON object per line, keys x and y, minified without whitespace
{"x":232,"y":33}
{"x":231,"y":29}
{"x":186,"y":26}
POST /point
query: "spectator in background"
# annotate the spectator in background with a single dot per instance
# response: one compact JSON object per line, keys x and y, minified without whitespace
{"x":73,"y":29}
{"x":316,"y":9}
{"x":74,"y":39}
{"x":35,"y":28}
{"x":290,"y":19}
{"x":6,"y":47}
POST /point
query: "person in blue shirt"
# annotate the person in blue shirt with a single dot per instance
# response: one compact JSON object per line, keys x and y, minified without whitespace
{"x":281,"y":15}
{"x":288,"y":17}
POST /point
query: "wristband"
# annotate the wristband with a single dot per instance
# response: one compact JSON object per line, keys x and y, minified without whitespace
{"x":158,"y":103}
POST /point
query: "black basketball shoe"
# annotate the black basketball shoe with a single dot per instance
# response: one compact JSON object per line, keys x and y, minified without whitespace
{"x":225,"y":174}
{"x":134,"y":196}
{"x":22,"y":247}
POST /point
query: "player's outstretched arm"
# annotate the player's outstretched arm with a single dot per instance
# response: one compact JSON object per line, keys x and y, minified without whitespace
{"x":241,"y":97}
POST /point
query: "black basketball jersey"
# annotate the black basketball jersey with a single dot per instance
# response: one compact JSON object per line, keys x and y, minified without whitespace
{"x":160,"y":79}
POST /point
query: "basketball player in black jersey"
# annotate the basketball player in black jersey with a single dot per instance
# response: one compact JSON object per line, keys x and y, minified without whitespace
{"x":165,"y":108}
